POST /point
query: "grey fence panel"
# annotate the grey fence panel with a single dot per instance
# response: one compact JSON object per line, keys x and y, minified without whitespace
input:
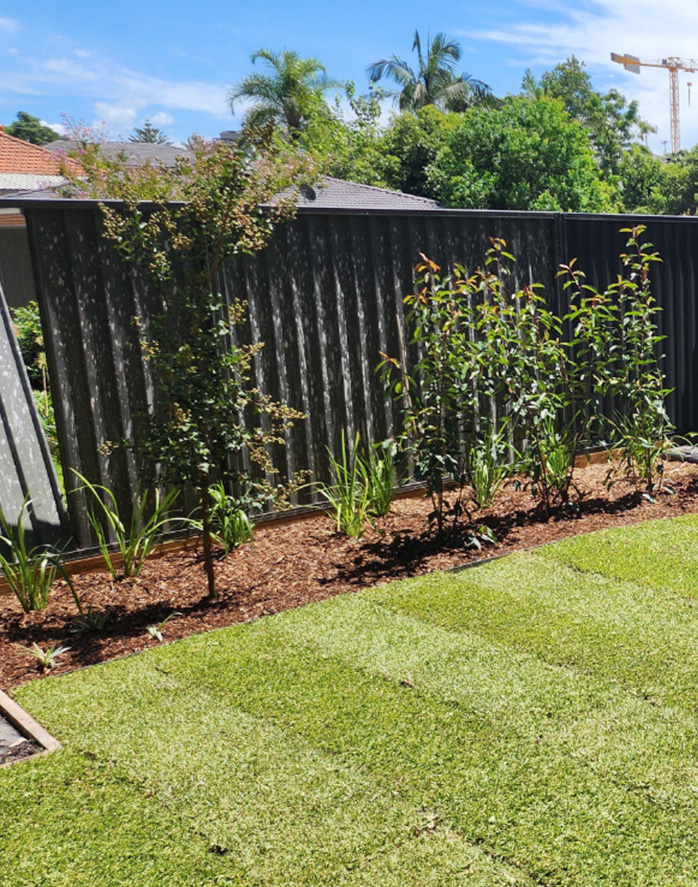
{"x":16,"y":276}
{"x":88,"y":305}
{"x":326,"y":298}
{"x":26,"y":469}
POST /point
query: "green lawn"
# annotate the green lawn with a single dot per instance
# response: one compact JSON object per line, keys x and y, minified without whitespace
{"x":533,"y":721}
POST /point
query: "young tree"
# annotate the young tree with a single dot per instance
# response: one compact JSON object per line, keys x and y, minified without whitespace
{"x":208,"y":424}
{"x":31,"y":129}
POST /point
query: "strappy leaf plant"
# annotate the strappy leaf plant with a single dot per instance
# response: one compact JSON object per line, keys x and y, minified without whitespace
{"x":136,"y":539}
{"x":348,"y":494}
{"x":30,"y":572}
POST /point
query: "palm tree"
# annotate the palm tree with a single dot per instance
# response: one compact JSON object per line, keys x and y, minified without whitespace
{"x":436,"y":81}
{"x":284,"y":96}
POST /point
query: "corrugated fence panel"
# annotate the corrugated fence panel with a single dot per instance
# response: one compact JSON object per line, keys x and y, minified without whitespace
{"x":25,"y":462}
{"x":326,"y":298}
{"x":93,"y":349}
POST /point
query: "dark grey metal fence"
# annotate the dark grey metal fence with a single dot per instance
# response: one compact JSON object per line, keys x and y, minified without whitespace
{"x":326,"y":298}
{"x":25,"y":462}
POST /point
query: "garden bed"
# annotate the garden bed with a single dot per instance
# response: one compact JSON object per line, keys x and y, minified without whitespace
{"x":292,"y":564}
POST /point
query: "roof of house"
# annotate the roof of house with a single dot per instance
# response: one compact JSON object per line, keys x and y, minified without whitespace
{"x":331,"y":193}
{"x":135,"y":152}
{"x":18,"y":157}
{"x":11,"y":182}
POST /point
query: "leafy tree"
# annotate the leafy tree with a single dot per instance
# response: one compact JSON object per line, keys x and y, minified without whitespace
{"x":202,"y":428}
{"x":31,"y":129}
{"x":410,"y":144}
{"x":435,"y":82}
{"x":648,"y":184}
{"x":613,"y":124}
{"x":286,"y":95}
{"x":150,"y":134}
{"x":347,"y":146}
{"x":526,"y":155}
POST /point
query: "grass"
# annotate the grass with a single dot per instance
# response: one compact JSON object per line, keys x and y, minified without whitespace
{"x":529,"y":722}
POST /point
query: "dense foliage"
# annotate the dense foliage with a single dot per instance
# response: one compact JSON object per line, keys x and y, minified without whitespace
{"x":501,"y":378}
{"x":527,"y":155}
{"x":31,"y":129}
{"x":558,"y":145}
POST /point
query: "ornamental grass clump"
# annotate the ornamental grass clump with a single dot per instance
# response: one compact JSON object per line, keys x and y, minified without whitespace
{"x":136,"y":539}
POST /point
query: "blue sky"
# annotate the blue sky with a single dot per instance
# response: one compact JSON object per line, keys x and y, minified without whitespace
{"x":173,"y":62}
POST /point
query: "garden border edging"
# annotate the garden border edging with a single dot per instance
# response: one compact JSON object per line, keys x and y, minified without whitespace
{"x":25,"y":724}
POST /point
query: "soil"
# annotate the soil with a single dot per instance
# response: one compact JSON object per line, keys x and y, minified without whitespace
{"x":292,"y":564}
{"x":26,"y":749}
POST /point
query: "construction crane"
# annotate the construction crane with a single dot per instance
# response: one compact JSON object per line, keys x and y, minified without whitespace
{"x":673,"y":65}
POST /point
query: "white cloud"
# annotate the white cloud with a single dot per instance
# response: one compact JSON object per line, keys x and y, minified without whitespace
{"x":8,"y":26}
{"x":162,"y":119}
{"x":119,"y":95}
{"x":71,"y":70}
{"x":604,"y":26}
{"x":119,"y":86}
{"x":118,"y":116}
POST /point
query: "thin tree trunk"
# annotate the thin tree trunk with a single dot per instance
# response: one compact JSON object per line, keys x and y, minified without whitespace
{"x":206,"y":527}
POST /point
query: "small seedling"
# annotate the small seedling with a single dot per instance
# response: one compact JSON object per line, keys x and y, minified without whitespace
{"x":92,"y":620}
{"x":47,"y":659}
{"x":155,"y":631}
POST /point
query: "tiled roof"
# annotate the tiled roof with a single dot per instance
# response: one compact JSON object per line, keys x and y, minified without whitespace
{"x":12,"y":182}
{"x":22,"y":158}
{"x":136,"y":152}
{"x":333,"y":193}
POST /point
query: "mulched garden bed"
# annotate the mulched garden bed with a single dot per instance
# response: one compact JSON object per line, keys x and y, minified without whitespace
{"x":292,"y":564}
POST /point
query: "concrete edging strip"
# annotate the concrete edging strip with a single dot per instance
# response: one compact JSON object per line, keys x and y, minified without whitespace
{"x":26,"y":724}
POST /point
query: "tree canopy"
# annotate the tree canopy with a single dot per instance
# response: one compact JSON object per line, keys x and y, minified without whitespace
{"x":31,"y":129}
{"x":149,"y":134}
{"x":560,"y":144}
{"x":527,"y":155}
{"x":435,"y":81}
{"x":612,"y":122}
{"x":286,"y":94}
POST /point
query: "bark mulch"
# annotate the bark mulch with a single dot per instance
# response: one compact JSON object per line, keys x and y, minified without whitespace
{"x":292,"y":564}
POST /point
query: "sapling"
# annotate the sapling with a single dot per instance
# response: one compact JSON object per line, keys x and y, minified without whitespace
{"x":208,"y":423}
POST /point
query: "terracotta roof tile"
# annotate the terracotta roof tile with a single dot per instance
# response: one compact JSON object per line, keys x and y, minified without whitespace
{"x":17,"y":156}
